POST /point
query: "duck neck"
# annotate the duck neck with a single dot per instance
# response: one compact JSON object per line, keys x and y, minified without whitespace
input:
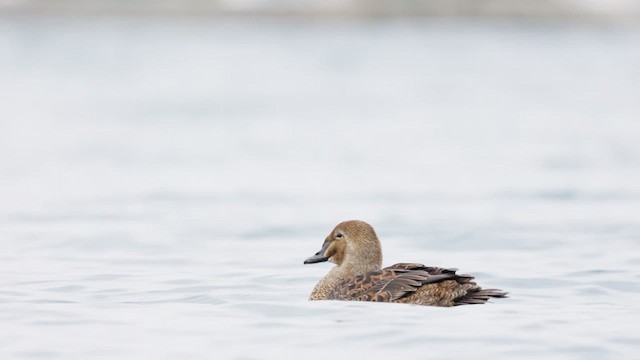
{"x":361,"y":261}
{"x":353,"y":268}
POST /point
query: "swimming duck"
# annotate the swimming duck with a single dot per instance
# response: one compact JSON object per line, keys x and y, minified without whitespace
{"x":358,"y":275}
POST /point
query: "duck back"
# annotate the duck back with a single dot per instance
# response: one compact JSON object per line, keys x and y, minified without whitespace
{"x":413,"y":284}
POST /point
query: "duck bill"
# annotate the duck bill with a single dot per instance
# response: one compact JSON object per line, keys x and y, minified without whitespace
{"x":319,"y":256}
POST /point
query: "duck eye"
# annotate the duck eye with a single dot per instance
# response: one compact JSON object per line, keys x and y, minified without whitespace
{"x":339,"y":235}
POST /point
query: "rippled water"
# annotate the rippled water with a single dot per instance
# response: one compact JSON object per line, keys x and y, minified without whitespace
{"x":162,"y":181}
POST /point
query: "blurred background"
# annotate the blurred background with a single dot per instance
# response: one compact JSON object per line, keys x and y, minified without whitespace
{"x":166,"y":166}
{"x":614,"y":10}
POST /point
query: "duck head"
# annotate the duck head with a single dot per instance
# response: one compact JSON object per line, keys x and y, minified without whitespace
{"x":351,"y":242}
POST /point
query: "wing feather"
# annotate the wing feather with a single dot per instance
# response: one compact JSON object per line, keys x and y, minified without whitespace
{"x":393,"y":282}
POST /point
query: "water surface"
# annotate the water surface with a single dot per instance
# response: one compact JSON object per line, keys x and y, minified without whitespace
{"x":162,"y":181}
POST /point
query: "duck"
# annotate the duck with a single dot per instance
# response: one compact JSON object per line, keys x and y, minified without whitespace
{"x":355,"y":249}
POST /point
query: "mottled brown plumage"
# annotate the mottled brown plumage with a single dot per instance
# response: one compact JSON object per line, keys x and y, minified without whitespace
{"x":355,"y":249}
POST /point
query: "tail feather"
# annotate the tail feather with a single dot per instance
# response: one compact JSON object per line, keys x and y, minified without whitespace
{"x":479,"y":296}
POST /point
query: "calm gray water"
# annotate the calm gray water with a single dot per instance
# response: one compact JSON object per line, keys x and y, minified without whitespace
{"x":162,"y":180}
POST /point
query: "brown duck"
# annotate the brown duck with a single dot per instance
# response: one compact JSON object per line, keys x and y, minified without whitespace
{"x":354,"y":247}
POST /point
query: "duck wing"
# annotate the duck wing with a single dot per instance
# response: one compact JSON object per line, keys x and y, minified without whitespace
{"x":393,"y":282}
